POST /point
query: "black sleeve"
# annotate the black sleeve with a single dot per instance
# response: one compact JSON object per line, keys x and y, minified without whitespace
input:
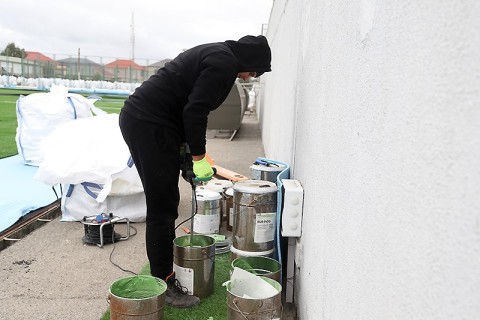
{"x":216,"y":77}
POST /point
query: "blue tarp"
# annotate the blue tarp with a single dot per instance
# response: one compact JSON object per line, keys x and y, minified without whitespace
{"x":19,"y":192}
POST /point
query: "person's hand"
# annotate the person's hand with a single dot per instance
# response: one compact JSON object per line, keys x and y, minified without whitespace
{"x":202,"y":169}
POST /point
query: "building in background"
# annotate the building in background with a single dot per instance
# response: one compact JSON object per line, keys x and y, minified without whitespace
{"x":126,"y":71}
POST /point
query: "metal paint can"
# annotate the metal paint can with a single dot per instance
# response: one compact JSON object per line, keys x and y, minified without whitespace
{"x":266,"y":172}
{"x":254,"y":208}
{"x":240,"y":308}
{"x":207,"y":219}
{"x":260,"y":266}
{"x":220,"y":185}
{"x":228,"y":208}
{"x":141,"y":302}
{"x":194,"y":263}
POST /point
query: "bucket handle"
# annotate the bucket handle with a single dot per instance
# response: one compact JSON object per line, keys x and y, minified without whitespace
{"x":108,"y":299}
{"x":245,"y":317}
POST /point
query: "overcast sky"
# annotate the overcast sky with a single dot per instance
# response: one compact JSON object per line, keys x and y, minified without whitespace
{"x":162,"y":28}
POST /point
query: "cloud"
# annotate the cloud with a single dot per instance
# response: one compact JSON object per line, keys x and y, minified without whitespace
{"x":103,"y":28}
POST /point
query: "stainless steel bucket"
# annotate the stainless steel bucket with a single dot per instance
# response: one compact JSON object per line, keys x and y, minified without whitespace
{"x":221,"y":187}
{"x":207,"y":219}
{"x":228,"y":208}
{"x":148,"y":304}
{"x":240,"y":308}
{"x":254,"y":208}
{"x":194,"y":263}
{"x":267,"y":173}
{"x":260,"y":266}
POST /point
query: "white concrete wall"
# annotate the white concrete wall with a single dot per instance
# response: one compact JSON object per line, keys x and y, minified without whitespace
{"x":376,"y":104}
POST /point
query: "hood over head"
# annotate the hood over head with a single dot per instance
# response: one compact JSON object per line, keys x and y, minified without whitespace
{"x":253,"y":54}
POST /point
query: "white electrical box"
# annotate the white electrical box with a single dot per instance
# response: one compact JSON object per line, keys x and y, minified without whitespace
{"x":292,"y":208}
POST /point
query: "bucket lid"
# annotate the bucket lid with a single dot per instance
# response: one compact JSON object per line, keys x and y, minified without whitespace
{"x":229,"y":192}
{"x":271,"y":168}
{"x":224,"y":184}
{"x":207,"y":195}
{"x":255,"y":186}
{"x":211,"y":187}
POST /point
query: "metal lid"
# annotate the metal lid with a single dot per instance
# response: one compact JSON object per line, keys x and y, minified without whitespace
{"x":211,"y":187}
{"x":272,"y":168}
{"x":221,"y":183}
{"x":207,"y":195}
{"x":255,"y":186}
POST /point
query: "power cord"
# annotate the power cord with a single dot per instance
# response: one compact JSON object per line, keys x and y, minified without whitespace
{"x":113,"y":249}
{"x":194,"y":195}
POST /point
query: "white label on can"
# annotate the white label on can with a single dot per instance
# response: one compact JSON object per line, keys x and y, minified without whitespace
{"x":185,"y":276}
{"x":230,"y":218}
{"x":264,"y":227}
{"x":206,"y":224}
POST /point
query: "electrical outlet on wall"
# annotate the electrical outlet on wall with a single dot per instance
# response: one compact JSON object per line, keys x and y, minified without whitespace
{"x":292,"y":208}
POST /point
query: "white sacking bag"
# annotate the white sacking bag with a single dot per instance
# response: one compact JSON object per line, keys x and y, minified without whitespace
{"x":91,"y":160}
{"x":80,"y":200}
{"x":38,"y":114}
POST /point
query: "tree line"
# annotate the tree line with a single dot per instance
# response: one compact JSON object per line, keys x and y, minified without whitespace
{"x":11,"y":50}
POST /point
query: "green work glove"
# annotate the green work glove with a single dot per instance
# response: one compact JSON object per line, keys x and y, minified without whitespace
{"x":202,"y":169}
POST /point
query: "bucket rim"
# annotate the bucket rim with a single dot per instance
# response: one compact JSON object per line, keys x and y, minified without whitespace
{"x":251,"y":253}
{"x":274,"y":283}
{"x":270,"y":260}
{"x":206,"y":237}
{"x":163,"y":288}
{"x":255,"y":186}
{"x":260,"y":167}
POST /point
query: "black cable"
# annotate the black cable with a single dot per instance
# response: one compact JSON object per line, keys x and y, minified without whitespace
{"x":196,"y":206}
{"x":113,"y":249}
{"x":92,"y":236}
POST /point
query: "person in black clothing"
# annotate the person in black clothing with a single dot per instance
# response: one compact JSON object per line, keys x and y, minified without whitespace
{"x":171,"y":108}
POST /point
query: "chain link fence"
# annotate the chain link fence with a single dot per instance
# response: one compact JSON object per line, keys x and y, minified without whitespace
{"x":70,"y":67}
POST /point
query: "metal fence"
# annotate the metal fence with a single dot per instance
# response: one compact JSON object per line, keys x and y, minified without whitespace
{"x":80,"y":68}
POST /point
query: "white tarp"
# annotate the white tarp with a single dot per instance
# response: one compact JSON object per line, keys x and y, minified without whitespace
{"x":91,"y":160}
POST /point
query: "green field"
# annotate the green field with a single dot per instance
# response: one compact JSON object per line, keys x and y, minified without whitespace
{"x":8,"y":116}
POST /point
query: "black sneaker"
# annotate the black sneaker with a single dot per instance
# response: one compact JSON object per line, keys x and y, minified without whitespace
{"x":177,"y":296}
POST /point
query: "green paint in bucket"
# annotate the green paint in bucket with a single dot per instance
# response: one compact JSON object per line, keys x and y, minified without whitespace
{"x":138,"y":287}
{"x":137,"y":297}
{"x":261,"y":266}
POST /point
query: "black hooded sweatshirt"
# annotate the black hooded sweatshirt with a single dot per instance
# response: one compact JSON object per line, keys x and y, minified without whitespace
{"x":182,"y":94}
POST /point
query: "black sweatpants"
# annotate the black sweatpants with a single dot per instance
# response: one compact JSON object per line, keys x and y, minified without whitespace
{"x":155,"y":151}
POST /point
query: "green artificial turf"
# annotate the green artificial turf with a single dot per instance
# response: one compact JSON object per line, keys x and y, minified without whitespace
{"x":8,"y":116}
{"x":8,"y":122}
{"x":213,"y":307}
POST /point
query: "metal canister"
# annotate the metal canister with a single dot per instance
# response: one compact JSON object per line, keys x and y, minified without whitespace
{"x":260,"y":266}
{"x":194,"y":263}
{"x":207,"y":219}
{"x":241,"y":306}
{"x":254,"y":208}
{"x":137,"y":297}
{"x":228,"y":208}
{"x":220,"y":185}
{"x":267,"y":172}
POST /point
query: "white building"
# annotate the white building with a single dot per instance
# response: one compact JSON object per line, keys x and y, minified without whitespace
{"x":376,"y":106}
